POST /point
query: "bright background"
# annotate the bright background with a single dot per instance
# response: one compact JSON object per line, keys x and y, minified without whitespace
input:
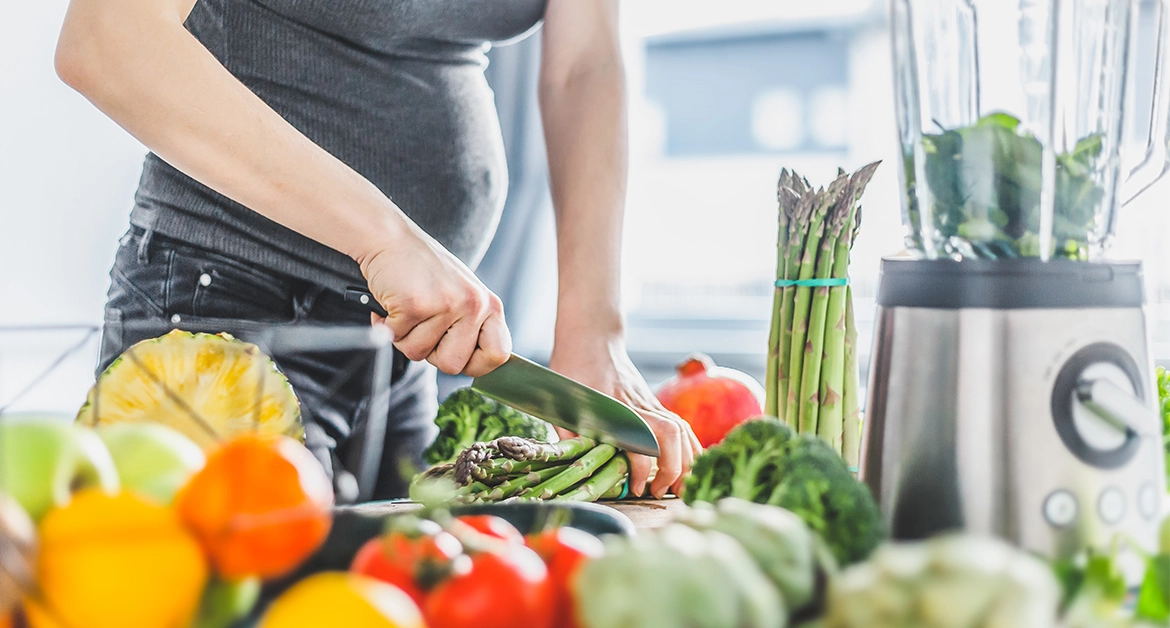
{"x":723,"y":95}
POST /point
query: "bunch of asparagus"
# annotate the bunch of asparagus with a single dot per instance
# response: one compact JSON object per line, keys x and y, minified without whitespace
{"x":812,"y":355}
{"x":511,"y":467}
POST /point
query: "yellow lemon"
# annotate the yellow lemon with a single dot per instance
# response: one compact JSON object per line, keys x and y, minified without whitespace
{"x":334,"y":598}
{"x":115,"y":561}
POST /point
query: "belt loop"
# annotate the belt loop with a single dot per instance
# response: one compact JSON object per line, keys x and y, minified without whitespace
{"x":144,"y":246}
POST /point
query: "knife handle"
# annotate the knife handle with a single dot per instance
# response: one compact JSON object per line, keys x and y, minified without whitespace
{"x":364,"y":299}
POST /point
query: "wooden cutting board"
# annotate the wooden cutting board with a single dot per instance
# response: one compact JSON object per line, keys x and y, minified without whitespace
{"x":646,"y":514}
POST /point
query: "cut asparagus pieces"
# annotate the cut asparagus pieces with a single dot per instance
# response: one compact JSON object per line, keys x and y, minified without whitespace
{"x":577,"y":471}
{"x":518,"y":448}
{"x":471,"y":461}
{"x":508,"y":468}
{"x":515,"y":485}
{"x":612,"y":474}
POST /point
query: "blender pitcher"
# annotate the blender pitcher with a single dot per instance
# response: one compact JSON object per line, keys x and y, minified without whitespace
{"x":1011,"y":118}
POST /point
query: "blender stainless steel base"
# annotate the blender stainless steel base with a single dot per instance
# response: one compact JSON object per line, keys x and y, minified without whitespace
{"x":1014,"y":398}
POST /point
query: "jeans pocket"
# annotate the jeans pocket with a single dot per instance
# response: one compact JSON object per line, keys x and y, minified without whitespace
{"x":220,"y":289}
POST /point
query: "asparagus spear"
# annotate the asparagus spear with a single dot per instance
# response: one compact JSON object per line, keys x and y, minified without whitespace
{"x":513,"y":486}
{"x":809,"y":399}
{"x":808,"y":261}
{"x":575,"y":472}
{"x":831,"y":412}
{"x":800,"y":212}
{"x":851,"y":442}
{"x":471,"y":461}
{"x":518,"y":448}
{"x":502,"y":468}
{"x":787,"y":200}
{"x":611,"y":474}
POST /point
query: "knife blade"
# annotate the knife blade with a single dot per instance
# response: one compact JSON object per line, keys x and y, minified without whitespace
{"x":544,"y":394}
{"x":533,"y":389}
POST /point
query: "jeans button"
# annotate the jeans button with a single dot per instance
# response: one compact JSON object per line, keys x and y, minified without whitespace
{"x":205,"y":280}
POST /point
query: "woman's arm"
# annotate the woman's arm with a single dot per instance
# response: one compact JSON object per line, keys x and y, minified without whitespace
{"x":582,"y":98}
{"x":137,"y":63}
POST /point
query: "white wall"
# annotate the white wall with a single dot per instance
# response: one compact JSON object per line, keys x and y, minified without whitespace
{"x":67,"y":177}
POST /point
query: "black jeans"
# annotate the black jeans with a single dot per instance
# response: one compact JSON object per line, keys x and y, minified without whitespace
{"x":158,"y":284}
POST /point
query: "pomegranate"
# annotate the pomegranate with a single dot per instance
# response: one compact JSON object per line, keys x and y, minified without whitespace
{"x":713,"y":399}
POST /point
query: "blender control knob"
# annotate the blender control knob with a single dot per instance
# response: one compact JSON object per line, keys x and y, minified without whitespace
{"x":1111,"y":505}
{"x":1097,"y":406}
{"x":1148,"y":501}
{"x":1060,"y":508}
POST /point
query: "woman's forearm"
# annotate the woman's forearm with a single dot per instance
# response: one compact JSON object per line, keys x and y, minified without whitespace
{"x":134,"y":60}
{"x":583,"y":103}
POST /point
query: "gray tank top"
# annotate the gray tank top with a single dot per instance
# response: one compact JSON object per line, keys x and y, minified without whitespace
{"x":393,"y":88}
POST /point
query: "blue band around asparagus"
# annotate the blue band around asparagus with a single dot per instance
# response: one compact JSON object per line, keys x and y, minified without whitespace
{"x":813,"y":283}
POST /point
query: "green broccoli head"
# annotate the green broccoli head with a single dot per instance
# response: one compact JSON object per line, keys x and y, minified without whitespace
{"x":740,"y":464}
{"x":816,"y":484}
{"x":764,"y":461}
{"x":468,"y":417}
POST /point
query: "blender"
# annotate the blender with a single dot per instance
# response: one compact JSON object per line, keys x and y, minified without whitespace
{"x":1012,"y":390}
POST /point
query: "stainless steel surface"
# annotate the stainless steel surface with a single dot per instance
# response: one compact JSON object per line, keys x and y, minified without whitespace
{"x":534,"y":389}
{"x":962,"y":432}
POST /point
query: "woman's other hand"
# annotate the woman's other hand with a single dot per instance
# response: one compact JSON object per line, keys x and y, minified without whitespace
{"x":607,"y":367}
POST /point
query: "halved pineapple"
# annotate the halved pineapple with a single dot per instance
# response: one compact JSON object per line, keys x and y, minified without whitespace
{"x":208,"y":387}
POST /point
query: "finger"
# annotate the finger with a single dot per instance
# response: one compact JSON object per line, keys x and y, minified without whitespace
{"x":691,"y":439}
{"x":456,"y":346}
{"x":494,"y":347}
{"x":687,"y":461}
{"x":639,"y":473}
{"x":670,"y":455}
{"x":564,"y":434}
{"x":377,"y":320}
{"x":420,"y":342}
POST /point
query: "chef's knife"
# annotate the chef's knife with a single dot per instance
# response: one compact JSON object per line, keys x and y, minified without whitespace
{"x":533,"y":389}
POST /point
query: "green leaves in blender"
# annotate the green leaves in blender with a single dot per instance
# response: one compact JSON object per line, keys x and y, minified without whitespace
{"x":985,"y":181}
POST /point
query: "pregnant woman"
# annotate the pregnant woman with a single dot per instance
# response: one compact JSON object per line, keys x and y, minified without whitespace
{"x":299,"y":147}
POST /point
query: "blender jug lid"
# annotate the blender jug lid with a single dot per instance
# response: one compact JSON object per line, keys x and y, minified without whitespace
{"x":1009,"y":284}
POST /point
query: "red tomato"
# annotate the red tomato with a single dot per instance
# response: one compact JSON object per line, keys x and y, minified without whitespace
{"x":411,"y":562}
{"x":508,"y":588}
{"x":564,"y":550}
{"x":492,"y":525}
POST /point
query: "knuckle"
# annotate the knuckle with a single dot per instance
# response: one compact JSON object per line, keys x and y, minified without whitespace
{"x":495,"y":305}
{"x":473,"y":298}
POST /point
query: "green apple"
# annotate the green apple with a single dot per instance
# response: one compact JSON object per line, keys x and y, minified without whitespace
{"x":17,"y":554}
{"x":226,"y":603}
{"x":43,"y":459}
{"x":152,"y":459}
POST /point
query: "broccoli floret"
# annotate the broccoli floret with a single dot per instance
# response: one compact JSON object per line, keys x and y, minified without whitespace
{"x":764,"y":461}
{"x":467,"y":417}
{"x":816,"y":484}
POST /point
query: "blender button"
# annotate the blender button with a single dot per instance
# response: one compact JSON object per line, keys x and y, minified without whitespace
{"x":1060,"y":508}
{"x":1111,"y":505}
{"x":1148,"y":501}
